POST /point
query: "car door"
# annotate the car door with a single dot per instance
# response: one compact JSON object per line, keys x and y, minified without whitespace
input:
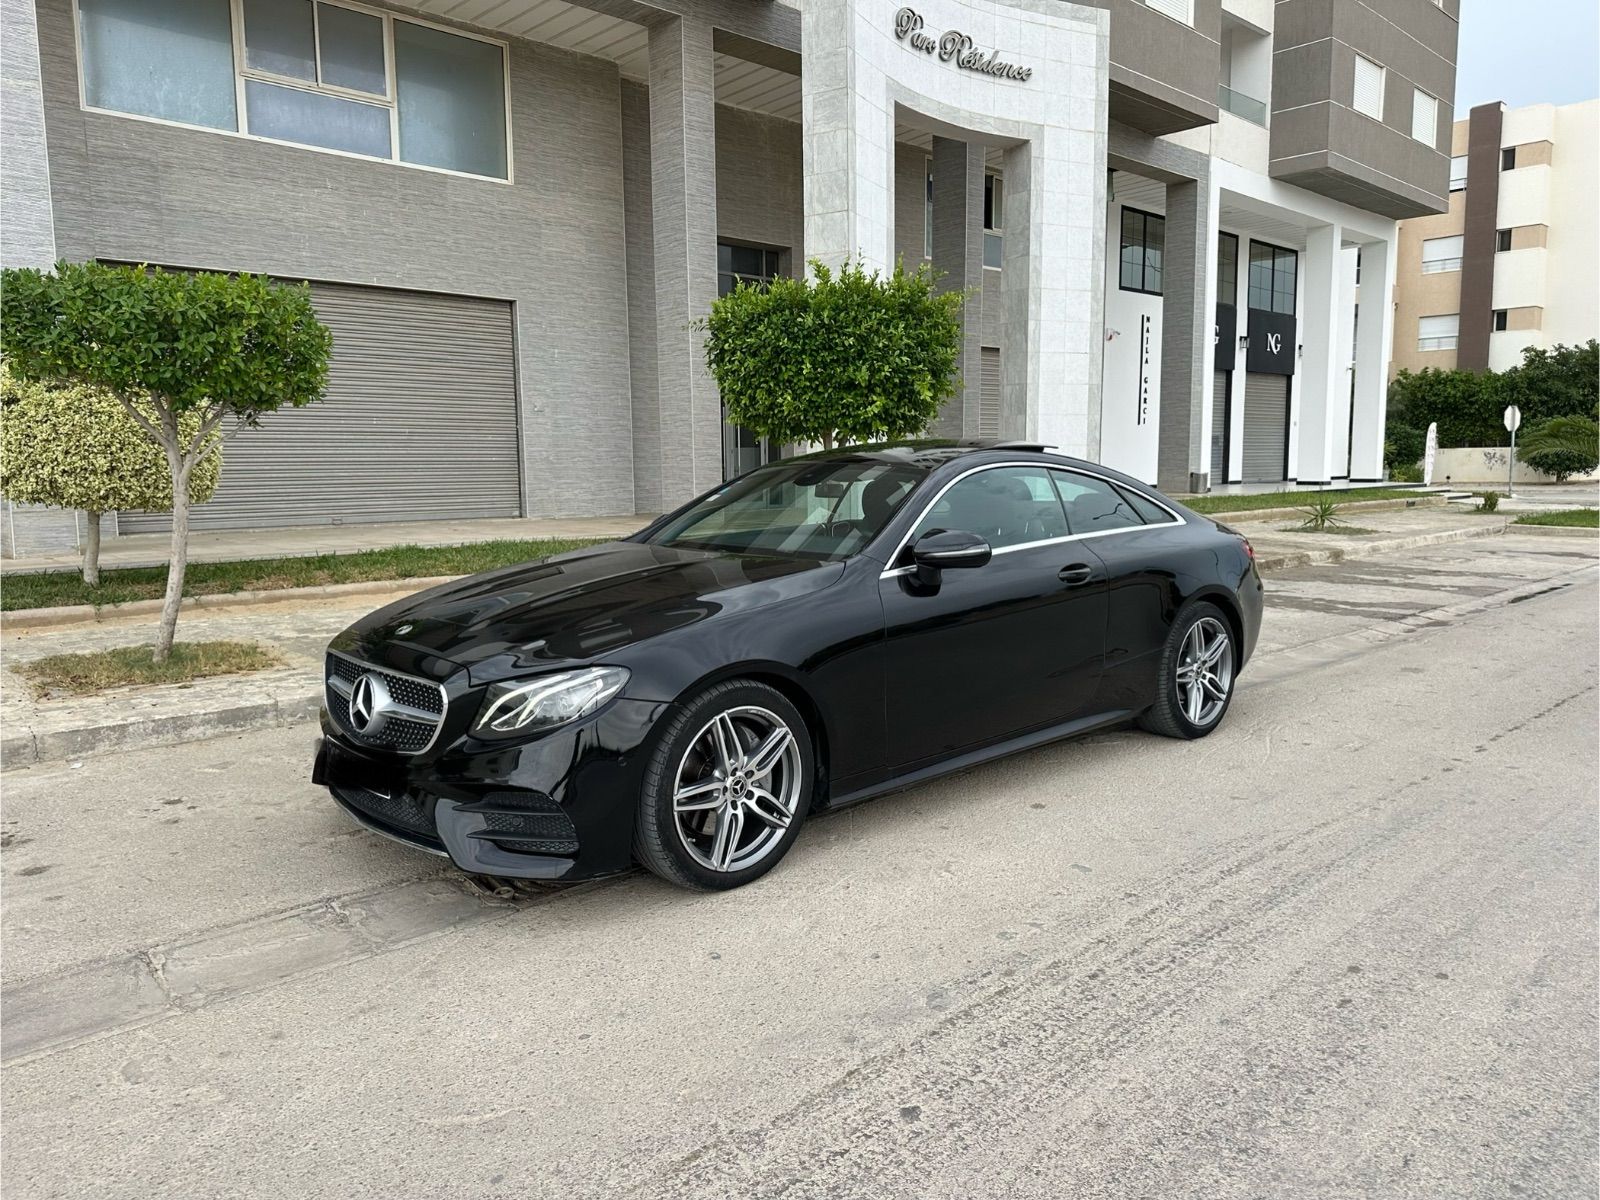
{"x":1138,"y":541}
{"x":998,"y":650}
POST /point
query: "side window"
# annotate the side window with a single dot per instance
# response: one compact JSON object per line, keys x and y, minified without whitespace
{"x":1007,"y":506}
{"x":1151,"y":512}
{"x":1093,"y":505}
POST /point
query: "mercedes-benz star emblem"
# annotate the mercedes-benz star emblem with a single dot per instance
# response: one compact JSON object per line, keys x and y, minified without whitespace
{"x":369,"y":700}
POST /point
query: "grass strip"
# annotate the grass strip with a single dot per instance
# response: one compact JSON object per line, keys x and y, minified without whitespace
{"x":1567,"y":518}
{"x":53,"y":588}
{"x":62,"y":675}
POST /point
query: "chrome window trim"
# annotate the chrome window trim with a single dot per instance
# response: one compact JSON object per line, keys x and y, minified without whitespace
{"x":894,"y":572}
{"x":444,"y":700}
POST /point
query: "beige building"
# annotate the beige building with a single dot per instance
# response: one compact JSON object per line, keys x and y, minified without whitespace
{"x":1513,"y":262}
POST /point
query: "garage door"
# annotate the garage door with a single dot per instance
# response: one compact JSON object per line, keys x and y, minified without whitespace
{"x":1219,"y":428}
{"x":1266,"y":427}
{"x":989,"y":394}
{"x":419,"y":423}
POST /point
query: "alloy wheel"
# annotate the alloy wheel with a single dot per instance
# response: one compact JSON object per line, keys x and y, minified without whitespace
{"x":737,"y":788}
{"x":1205,"y":672}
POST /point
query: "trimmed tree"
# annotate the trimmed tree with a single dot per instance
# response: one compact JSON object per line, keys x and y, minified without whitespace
{"x":845,"y":357}
{"x":220,"y":350}
{"x":68,"y":445}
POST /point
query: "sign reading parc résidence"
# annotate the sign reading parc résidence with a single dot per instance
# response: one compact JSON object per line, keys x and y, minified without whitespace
{"x":955,"y":46}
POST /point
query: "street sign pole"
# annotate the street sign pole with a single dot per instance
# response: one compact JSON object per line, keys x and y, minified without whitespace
{"x":1513,"y":419}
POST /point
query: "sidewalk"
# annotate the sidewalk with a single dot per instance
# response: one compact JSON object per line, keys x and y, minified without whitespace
{"x":36,"y":731}
{"x":231,"y":545}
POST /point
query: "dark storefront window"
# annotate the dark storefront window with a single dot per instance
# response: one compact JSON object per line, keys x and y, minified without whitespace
{"x":1272,"y":278}
{"x":1227,"y":268}
{"x":1144,"y":237}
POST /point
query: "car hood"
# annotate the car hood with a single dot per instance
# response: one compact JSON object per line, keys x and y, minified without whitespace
{"x":584,"y":605}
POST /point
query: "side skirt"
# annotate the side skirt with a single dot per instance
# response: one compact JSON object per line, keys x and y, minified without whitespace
{"x":973,"y":758}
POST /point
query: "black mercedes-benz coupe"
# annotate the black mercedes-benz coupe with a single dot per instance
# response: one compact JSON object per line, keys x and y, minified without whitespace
{"x":810,"y":634}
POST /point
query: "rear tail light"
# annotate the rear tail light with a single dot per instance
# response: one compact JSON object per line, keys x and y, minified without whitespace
{"x":1249,"y":550}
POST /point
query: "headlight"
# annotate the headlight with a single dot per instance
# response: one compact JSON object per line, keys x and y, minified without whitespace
{"x":529,"y":705}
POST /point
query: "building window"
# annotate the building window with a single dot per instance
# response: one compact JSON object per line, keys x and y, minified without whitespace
{"x":746,"y":264}
{"x":1458,"y":173}
{"x":1272,"y":278}
{"x":1502,"y":240}
{"x":1369,"y":88}
{"x":1178,"y":10}
{"x":993,"y":218}
{"x":927,"y":216}
{"x":310,"y":72}
{"x":1508,"y":159}
{"x":1144,"y":238}
{"x":1438,"y":333}
{"x":1442,"y":254}
{"x":1502,"y":320}
{"x":1227,"y":268}
{"x":1424,"y":117}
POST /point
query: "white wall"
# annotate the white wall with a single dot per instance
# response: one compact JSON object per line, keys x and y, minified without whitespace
{"x":1572,"y":307}
{"x":1524,"y":197}
{"x":1520,"y":277}
{"x":1125,"y":443}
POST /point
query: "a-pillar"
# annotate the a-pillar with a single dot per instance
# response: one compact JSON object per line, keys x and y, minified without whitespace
{"x":1188,"y":324}
{"x":683,"y":206}
{"x":1322,"y":373}
{"x":1374,"y":339}
{"x":958,"y":170}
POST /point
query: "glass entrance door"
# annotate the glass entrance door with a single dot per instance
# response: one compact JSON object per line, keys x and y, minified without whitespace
{"x":742,"y":449}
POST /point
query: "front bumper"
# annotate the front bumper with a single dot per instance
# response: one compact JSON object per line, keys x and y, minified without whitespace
{"x":557,"y":806}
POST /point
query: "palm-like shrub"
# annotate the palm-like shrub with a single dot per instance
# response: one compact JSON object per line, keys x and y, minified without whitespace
{"x":1562,"y":447}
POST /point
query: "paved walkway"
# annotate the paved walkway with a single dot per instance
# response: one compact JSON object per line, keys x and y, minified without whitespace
{"x":228,"y":545}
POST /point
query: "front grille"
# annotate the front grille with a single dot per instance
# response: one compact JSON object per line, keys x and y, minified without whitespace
{"x":400,"y":811}
{"x":406,"y":717}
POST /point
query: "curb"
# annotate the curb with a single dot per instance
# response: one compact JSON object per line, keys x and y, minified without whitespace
{"x":76,"y":614}
{"x":1312,"y":558}
{"x":295,"y":704}
{"x":1283,"y":514}
{"x":1554,"y":530}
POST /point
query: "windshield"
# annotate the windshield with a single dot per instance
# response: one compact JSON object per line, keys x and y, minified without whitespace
{"x":822,"y":510}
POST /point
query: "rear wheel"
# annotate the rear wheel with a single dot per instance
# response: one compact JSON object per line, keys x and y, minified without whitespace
{"x":726,"y":788}
{"x":1197,"y":674}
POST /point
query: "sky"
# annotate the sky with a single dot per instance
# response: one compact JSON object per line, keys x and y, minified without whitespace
{"x":1527,"y":52}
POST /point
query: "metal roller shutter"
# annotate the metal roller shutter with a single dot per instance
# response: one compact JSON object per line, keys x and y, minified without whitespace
{"x":1219,"y":428}
{"x":989,"y":394}
{"x":419,"y":423}
{"x":1266,"y":427}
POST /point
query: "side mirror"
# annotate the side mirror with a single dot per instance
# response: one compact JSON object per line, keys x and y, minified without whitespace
{"x":947,"y":548}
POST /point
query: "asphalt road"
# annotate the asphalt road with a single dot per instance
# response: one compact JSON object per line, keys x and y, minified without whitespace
{"x":1345,"y":947}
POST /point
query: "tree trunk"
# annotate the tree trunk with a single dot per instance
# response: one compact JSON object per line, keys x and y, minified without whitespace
{"x":91,"y":551}
{"x":827,"y":440}
{"x":178,"y":555}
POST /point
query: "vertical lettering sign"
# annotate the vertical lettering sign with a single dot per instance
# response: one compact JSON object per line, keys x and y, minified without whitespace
{"x":1144,"y":369}
{"x":955,"y":47}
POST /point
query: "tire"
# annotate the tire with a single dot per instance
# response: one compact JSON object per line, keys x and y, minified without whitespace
{"x":1170,"y":715}
{"x":703,"y":825}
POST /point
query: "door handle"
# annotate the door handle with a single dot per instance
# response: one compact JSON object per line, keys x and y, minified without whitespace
{"x":1075,"y":575}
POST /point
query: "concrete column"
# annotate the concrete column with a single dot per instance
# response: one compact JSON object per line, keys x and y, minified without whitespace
{"x":1021,"y":298}
{"x":1188,"y":312}
{"x":958,"y":171}
{"x":1322,"y":374}
{"x":27,"y":234}
{"x":683,"y":209}
{"x":1374,"y":343}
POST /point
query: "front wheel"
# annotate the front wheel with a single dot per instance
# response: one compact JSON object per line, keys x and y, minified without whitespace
{"x":726,"y":788}
{"x":1197,"y":674}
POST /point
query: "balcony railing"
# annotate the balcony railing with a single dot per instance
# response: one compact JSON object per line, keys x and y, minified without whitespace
{"x":1435,"y":266}
{"x":1240,"y":105}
